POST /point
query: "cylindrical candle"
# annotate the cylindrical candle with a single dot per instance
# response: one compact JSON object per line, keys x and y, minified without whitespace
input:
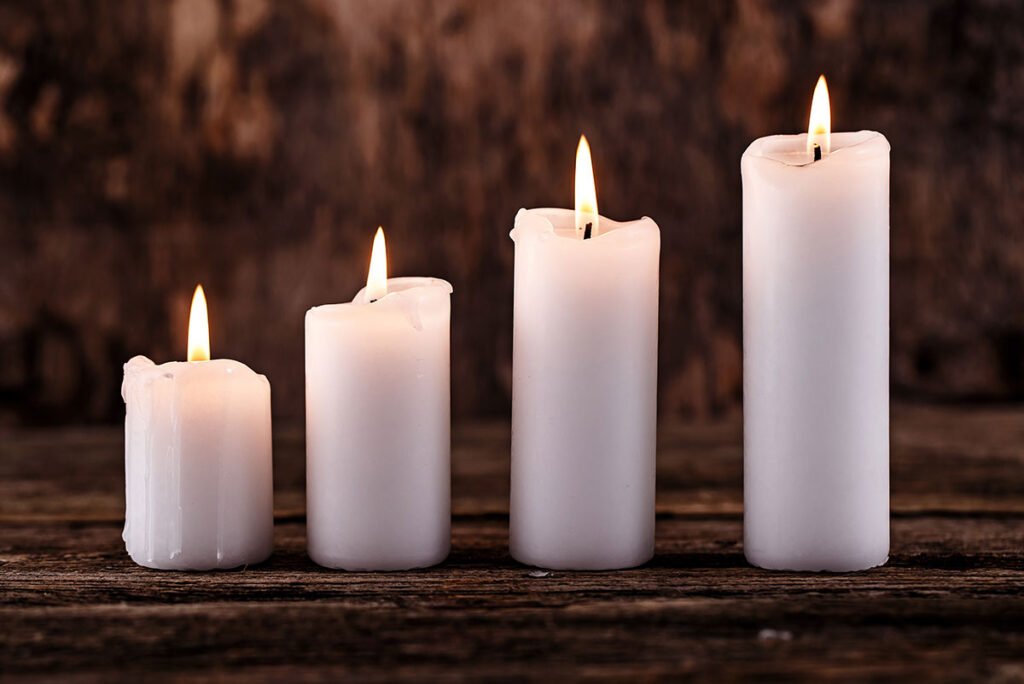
{"x":378,"y":448}
{"x":199,"y":484}
{"x":584,"y":385}
{"x":816,"y":352}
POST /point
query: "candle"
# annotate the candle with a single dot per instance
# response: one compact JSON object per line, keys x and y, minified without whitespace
{"x":378,"y":447}
{"x":198,"y":470}
{"x":584,"y":385}
{"x":816,"y":348}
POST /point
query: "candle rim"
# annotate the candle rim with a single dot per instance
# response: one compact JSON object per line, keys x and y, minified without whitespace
{"x":611,"y":231}
{"x":142,"y":368}
{"x":402,"y":284}
{"x":790,"y":150}
{"x":400,"y":289}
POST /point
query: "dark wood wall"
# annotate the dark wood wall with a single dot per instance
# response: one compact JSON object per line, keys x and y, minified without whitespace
{"x":254,"y":146}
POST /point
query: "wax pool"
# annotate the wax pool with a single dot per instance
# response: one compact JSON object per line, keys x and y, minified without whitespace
{"x":584,"y":377}
{"x":816,"y":353}
{"x":378,"y":445}
{"x":198,"y":466}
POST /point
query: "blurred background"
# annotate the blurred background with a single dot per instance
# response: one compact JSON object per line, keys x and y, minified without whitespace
{"x":255,"y":146}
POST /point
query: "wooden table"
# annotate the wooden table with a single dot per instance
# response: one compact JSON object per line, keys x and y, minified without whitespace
{"x":948,"y":605}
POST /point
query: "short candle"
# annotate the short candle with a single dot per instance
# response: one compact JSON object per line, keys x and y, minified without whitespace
{"x":816,"y":348}
{"x":378,"y":446}
{"x":584,"y":382}
{"x":198,"y":464}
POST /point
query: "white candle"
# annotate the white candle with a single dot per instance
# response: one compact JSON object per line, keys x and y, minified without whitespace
{"x":378,"y":447}
{"x":816,"y":349}
{"x":198,"y":469}
{"x":584,"y":387}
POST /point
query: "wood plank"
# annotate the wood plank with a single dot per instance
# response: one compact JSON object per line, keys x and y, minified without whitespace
{"x":937,"y":557}
{"x":723,"y":637}
{"x":944,"y":460}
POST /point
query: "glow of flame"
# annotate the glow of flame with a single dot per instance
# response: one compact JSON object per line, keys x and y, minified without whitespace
{"x":377,"y":278}
{"x":198,"y":328}
{"x":819,"y":127}
{"x":586,"y":191}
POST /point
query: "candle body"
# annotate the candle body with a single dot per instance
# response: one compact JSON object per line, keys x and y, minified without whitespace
{"x":816,"y":353}
{"x":378,"y":445}
{"x":584,"y":392}
{"x":198,"y":465}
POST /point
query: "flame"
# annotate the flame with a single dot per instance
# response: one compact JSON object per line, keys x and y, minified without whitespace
{"x":377,"y":278}
{"x":198,"y":328}
{"x":819,"y":128}
{"x":586,"y":191}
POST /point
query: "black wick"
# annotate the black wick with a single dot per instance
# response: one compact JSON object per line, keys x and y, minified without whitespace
{"x":817,"y":152}
{"x":587,"y":230}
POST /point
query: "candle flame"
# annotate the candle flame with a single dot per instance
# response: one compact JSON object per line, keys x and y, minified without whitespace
{"x":198,"y":328}
{"x":377,"y":278}
{"x":819,"y":127}
{"x":586,"y":191}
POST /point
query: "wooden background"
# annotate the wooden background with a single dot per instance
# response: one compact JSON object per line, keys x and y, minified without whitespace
{"x":255,"y":146}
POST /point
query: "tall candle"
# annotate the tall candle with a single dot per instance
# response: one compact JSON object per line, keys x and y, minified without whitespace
{"x":378,"y":448}
{"x":198,"y":467}
{"x":816,"y":348}
{"x":584,"y":386}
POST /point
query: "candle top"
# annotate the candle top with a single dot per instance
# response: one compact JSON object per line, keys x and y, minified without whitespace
{"x":791,"y":150}
{"x":411,"y":297}
{"x":141,"y":368}
{"x":547,"y":223}
{"x":397,"y":287}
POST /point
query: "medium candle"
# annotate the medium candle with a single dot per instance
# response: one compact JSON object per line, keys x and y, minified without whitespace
{"x":378,"y":446}
{"x":584,"y":385}
{"x":198,"y":466}
{"x":816,"y":348}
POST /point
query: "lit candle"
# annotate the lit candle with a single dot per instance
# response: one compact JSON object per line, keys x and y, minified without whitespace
{"x":816,"y":348}
{"x":198,"y":470}
{"x":378,"y":448}
{"x":584,"y":385}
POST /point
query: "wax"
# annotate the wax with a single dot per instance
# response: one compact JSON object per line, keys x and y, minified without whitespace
{"x":378,"y":447}
{"x":816,"y":353}
{"x":198,"y":467}
{"x":583,"y":392}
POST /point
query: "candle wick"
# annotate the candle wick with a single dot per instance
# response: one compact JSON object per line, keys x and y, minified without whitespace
{"x":817,"y":152}
{"x":587,"y":230}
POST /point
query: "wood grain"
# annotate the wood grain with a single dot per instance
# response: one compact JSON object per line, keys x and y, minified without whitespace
{"x":948,"y":606}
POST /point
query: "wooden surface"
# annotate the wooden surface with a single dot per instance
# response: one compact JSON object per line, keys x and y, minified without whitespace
{"x":949,"y":605}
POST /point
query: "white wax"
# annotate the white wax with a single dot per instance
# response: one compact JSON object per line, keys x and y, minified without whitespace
{"x":816,"y":353}
{"x":378,"y":445}
{"x":198,"y":469}
{"x":584,"y":382}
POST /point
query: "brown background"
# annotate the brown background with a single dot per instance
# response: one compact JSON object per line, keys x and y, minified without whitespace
{"x":255,"y":146}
